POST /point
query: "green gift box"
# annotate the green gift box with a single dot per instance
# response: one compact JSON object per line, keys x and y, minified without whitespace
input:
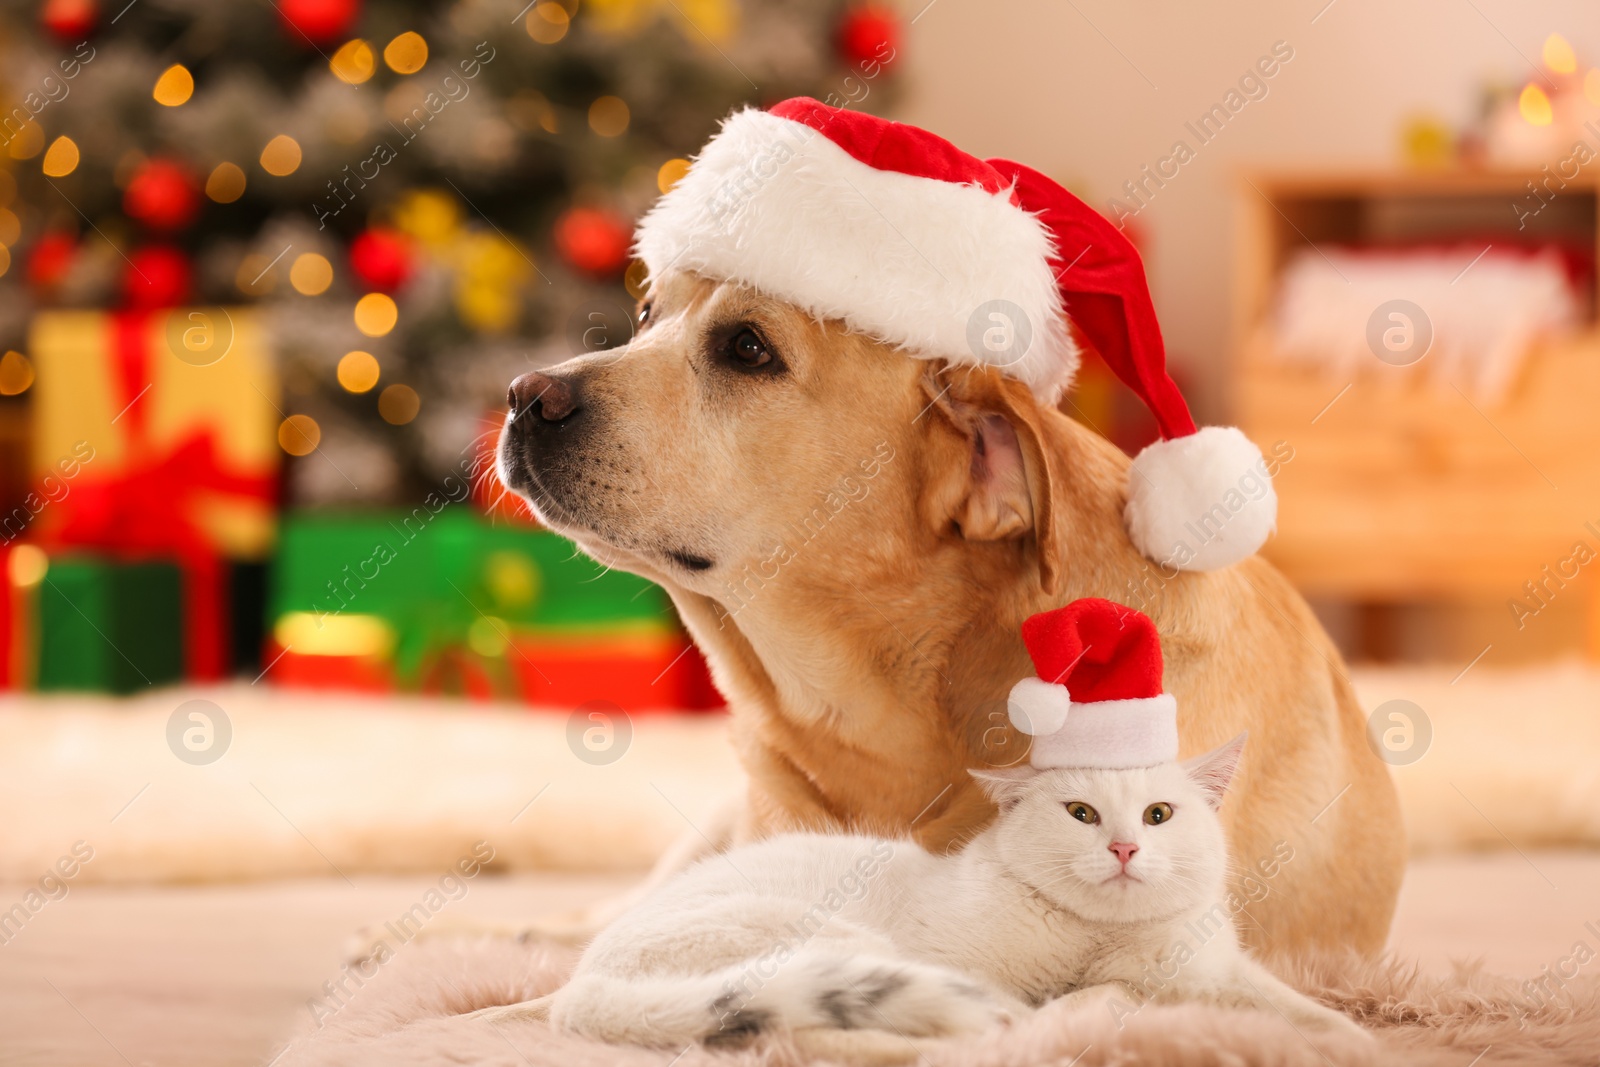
{"x":436,"y":580}
{"x":109,"y":626}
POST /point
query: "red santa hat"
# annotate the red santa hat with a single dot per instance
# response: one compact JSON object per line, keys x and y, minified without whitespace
{"x":1097,"y":700}
{"x":910,"y":240}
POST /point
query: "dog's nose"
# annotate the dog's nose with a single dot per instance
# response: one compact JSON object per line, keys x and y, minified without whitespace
{"x":553,"y":398}
{"x":1124,"y":850}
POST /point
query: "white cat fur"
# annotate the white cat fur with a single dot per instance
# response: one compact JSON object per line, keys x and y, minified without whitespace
{"x":810,"y":932}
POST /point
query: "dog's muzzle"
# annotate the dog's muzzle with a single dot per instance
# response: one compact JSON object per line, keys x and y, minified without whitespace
{"x":547,"y":418}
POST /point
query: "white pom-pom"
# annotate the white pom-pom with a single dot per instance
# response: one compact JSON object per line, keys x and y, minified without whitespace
{"x":1202,"y":501}
{"x":1037,"y":707}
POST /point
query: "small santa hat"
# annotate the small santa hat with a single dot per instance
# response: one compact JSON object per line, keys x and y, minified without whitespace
{"x":1097,"y":701}
{"x":910,"y":240}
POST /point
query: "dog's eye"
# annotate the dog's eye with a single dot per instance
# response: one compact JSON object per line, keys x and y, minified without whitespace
{"x":1156,"y":814}
{"x":644,"y":314}
{"x":1082,"y":812}
{"x":748,"y":351}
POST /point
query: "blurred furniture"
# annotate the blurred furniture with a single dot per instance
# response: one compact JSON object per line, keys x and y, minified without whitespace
{"x":1402,"y":487}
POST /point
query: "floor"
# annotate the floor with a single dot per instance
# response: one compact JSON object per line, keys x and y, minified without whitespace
{"x":222,"y":975}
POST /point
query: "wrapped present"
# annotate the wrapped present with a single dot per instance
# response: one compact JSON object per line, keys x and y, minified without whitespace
{"x":643,"y":671}
{"x":108,"y":625}
{"x":445,"y":601}
{"x":169,"y":419}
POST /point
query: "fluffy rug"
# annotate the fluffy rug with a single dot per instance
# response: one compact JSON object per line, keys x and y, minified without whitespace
{"x":410,"y":1013}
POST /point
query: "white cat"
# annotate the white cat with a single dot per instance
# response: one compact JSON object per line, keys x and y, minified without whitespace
{"x":1088,"y":879}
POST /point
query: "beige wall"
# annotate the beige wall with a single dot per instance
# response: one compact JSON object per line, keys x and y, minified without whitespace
{"x":1036,"y":80}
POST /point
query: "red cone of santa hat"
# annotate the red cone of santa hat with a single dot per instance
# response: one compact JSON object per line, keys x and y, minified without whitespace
{"x":1097,"y":700}
{"x":908,"y":239}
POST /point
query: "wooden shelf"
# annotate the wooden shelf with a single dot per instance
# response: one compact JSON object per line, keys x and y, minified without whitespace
{"x":1402,"y":488}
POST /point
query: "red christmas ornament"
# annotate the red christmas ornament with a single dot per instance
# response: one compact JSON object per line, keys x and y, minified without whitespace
{"x":319,"y":21}
{"x":594,"y":241}
{"x":868,"y":35}
{"x":70,"y":21}
{"x":50,"y":259}
{"x":381,"y":259}
{"x":162,"y":195}
{"x":158,"y":276}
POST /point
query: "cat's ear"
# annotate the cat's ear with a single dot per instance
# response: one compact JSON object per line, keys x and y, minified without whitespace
{"x":1213,"y":771}
{"x":1005,"y":787}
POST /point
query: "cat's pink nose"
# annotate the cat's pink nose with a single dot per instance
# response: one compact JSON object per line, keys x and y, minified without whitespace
{"x":1124,"y":850}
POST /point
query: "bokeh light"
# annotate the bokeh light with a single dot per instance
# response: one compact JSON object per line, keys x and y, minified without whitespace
{"x":354,"y":62}
{"x":399,"y":404}
{"x":376,"y":314}
{"x":281,"y":156}
{"x":1535,"y":105}
{"x":311,"y":274}
{"x":1558,"y":54}
{"x":671,"y":173}
{"x":608,"y":116}
{"x":16,"y":373}
{"x":226,"y":183}
{"x":62,"y":157}
{"x":299,"y":435}
{"x":407,"y":53}
{"x":548,"y":22}
{"x":358,"y":371}
{"x":174,"y":87}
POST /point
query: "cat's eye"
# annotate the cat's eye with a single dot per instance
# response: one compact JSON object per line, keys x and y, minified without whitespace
{"x":1156,"y":814}
{"x":1082,"y":812}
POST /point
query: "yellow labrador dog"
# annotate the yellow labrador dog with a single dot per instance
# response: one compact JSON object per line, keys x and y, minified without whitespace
{"x":854,"y":537}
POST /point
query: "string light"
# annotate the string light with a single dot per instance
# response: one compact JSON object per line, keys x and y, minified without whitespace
{"x":407,"y":53}
{"x":608,"y":116}
{"x":311,"y":274}
{"x":354,"y":62}
{"x":399,"y":404}
{"x":16,"y":373}
{"x":376,"y":314}
{"x":358,"y":371}
{"x":226,"y":183}
{"x":281,"y":156}
{"x":27,"y":566}
{"x":174,"y":87}
{"x":62,"y":157}
{"x":671,"y":173}
{"x":1535,"y":105}
{"x":1558,"y":54}
{"x":548,"y":22}
{"x":27,"y":142}
{"x":299,"y":435}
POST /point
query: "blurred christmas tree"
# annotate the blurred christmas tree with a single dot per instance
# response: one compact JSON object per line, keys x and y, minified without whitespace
{"x":425,"y":198}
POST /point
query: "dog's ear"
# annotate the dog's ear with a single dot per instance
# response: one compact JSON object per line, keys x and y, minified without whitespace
{"x":1007,"y":488}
